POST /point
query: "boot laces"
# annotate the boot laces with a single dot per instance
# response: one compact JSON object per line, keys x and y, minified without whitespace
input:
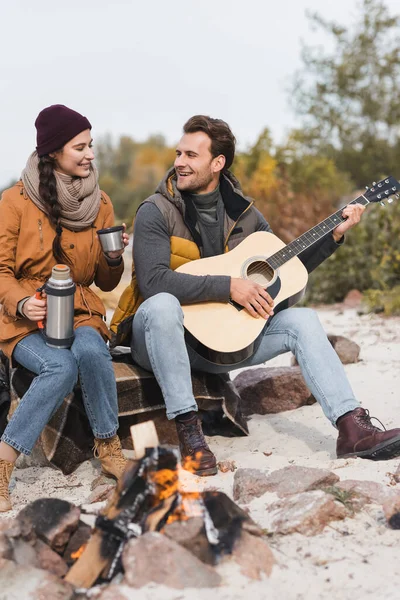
{"x":110,"y":448}
{"x":5,"y":474}
{"x":366,"y":421}
{"x":195,"y":437}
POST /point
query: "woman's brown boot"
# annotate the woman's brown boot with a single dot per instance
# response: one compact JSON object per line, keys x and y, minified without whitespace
{"x":6,"y":469}
{"x":109,"y":453}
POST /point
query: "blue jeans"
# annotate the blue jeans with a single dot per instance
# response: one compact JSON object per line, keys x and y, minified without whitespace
{"x":158,"y":345}
{"x":57,"y":373}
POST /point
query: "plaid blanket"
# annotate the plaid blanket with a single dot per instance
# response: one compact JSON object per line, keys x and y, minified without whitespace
{"x":67,"y":440}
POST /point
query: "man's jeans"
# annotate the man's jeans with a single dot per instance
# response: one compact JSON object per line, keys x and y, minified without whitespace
{"x":57,"y":373}
{"x":158,"y":345}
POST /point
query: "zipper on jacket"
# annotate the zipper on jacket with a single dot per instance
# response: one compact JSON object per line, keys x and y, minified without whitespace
{"x":235,"y":223}
{"x":40,"y":233}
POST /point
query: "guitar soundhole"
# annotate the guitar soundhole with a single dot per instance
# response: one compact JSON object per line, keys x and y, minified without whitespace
{"x":260,"y":272}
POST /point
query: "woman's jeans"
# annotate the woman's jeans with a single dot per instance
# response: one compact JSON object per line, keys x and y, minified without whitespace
{"x":158,"y":345}
{"x":57,"y":373}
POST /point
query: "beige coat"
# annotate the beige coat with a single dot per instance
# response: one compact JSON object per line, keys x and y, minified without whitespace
{"x":26,"y":260}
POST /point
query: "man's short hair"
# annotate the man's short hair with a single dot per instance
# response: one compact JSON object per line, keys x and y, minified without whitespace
{"x":222,"y":139}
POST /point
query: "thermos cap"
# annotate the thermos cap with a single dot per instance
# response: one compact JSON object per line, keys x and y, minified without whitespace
{"x":60,"y":272}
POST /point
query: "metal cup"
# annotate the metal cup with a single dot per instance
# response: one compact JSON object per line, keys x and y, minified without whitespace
{"x":111,"y":238}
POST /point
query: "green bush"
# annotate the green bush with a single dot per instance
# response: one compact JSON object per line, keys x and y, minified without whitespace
{"x":387,"y":302}
{"x":368,"y":260}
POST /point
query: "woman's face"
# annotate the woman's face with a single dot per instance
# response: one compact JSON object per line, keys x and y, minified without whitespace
{"x":75,"y":158}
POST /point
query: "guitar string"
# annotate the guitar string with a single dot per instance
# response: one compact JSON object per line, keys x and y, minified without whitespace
{"x":265,"y":269}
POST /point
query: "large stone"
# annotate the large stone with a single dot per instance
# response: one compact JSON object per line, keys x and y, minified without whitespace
{"x":294,"y":480}
{"x":6,"y":550}
{"x":307,"y":513}
{"x":353,"y":299}
{"x":51,"y":520}
{"x":191,"y":534}
{"x":371,"y":492}
{"x":249,"y":484}
{"x":78,"y":539}
{"x":253,"y":555}
{"x":391,"y":508}
{"x":18,"y":583}
{"x":272,"y":390}
{"x":101,"y":493}
{"x":153,"y":557}
{"x":348,"y":351}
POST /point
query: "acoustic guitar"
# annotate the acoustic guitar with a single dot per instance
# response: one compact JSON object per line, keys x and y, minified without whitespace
{"x":224,"y":332}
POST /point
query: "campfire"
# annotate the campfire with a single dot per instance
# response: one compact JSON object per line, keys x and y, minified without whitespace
{"x":149,"y":498}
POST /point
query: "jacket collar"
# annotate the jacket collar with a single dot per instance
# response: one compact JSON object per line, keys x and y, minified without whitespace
{"x":234,"y":201}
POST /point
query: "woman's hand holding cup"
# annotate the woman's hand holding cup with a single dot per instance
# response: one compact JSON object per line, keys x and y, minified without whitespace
{"x":113,"y":240}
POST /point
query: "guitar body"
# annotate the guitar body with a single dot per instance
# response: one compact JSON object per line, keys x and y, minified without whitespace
{"x":225,"y":333}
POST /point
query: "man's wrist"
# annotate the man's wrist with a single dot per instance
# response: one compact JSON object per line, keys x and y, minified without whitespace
{"x":337,"y":237}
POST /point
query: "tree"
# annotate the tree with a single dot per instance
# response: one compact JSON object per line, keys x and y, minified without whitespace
{"x":349,"y":97}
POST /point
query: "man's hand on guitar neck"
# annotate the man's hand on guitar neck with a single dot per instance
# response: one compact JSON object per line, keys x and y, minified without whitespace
{"x":252,"y":297}
{"x":352,"y":213}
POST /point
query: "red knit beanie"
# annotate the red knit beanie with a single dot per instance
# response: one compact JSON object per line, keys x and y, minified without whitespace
{"x":56,"y":125}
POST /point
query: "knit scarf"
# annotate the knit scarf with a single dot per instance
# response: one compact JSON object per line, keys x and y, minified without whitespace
{"x":78,"y":197}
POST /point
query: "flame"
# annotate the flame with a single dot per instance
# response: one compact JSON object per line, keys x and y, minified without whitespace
{"x":192,"y":464}
{"x":79,"y":552}
{"x":170,"y":483}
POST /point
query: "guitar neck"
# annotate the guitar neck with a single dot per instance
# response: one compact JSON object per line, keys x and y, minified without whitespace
{"x":311,"y":236}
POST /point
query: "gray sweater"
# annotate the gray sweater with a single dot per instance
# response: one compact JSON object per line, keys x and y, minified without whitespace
{"x":152,"y":253}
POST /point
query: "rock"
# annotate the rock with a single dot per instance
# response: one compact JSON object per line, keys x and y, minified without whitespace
{"x":100,"y":493}
{"x":36,"y":459}
{"x":153,"y":557}
{"x":367,"y":491}
{"x":253,"y":555}
{"x":17,"y":583}
{"x":51,"y":520}
{"x":117,"y":592}
{"x":78,"y":538}
{"x":249,"y":484}
{"x":48,"y":560}
{"x":6,"y":549}
{"x":391,"y":508}
{"x":227,"y":465}
{"x":294,"y":480}
{"x":272,"y":390}
{"x":348,"y":351}
{"x":307,"y":513}
{"x":191,"y":534}
{"x":353,"y":299}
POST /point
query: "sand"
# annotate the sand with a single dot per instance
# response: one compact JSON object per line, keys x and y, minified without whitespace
{"x":351,"y":559}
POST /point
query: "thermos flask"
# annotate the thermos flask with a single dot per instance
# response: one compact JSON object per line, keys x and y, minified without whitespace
{"x":59,"y":325}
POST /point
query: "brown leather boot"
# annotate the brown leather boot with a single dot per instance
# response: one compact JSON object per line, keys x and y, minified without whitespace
{"x":358,"y":437}
{"x":5,"y":476}
{"x":109,"y":452}
{"x":195,"y":454}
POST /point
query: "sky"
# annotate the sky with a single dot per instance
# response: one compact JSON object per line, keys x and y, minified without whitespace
{"x":144,"y":67}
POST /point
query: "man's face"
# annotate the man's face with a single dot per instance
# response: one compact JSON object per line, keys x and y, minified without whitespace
{"x":196,"y":170}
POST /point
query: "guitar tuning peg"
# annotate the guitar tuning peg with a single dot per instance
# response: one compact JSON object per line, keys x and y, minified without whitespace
{"x":366,"y":187}
{"x":374,"y":183}
{"x":397,"y":196}
{"x":382,"y":203}
{"x":390,"y":200}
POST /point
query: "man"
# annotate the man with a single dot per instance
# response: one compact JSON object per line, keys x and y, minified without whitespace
{"x":198,"y":211}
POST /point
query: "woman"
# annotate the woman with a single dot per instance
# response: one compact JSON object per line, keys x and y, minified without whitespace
{"x":49,"y":217}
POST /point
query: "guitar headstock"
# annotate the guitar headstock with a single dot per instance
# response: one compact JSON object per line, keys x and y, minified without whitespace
{"x":383,"y":190}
